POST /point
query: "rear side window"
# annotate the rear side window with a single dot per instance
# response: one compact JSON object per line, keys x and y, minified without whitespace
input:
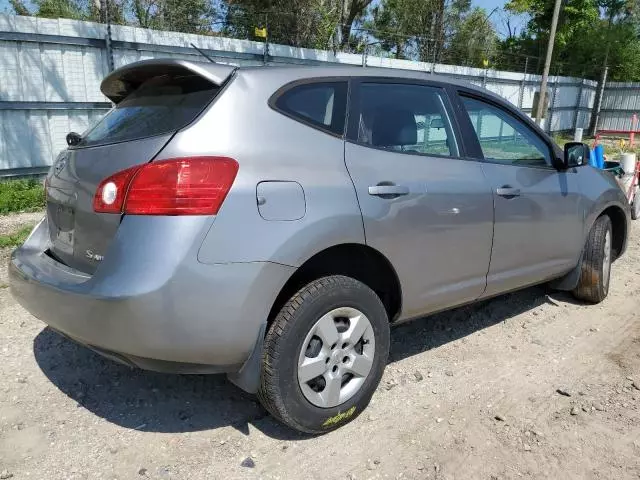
{"x":319,"y":104}
{"x":405,"y":118}
{"x":162,"y":104}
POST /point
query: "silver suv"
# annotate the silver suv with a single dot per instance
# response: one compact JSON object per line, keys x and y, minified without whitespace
{"x":272,"y":223}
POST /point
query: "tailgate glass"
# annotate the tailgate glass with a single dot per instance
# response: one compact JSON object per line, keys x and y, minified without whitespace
{"x":160,"y":105}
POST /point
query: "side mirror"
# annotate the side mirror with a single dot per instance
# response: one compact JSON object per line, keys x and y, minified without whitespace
{"x":73,"y":138}
{"x":576,"y":154}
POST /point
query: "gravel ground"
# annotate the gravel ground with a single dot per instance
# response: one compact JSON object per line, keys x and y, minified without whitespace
{"x":12,"y":223}
{"x":528,"y":385}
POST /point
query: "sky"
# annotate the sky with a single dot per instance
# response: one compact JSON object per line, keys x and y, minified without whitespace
{"x":488,"y":5}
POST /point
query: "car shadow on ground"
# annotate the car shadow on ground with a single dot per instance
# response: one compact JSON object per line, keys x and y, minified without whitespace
{"x":154,"y":402}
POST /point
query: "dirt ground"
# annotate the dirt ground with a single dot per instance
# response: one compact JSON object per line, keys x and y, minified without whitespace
{"x":468,"y":394}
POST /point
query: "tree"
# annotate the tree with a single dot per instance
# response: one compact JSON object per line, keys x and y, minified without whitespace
{"x":74,"y":9}
{"x":413,"y":29}
{"x":474,"y":40}
{"x":591,"y":35}
{"x":351,"y":11}
{"x":300,"y":23}
{"x":19,"y":7}
{"x":389,"y":26}
{"x":59,"y":9}
{"x":575,"y":16}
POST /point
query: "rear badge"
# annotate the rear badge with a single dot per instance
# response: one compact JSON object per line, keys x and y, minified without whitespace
{"x":93,"y":256}
{"x":60,"y":163}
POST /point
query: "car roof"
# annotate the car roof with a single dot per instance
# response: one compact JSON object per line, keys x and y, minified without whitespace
{"x":120,"y":82}
{"x":299,"y":72}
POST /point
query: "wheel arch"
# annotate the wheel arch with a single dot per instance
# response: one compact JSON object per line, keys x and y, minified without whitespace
{"x":355,"y":260}
{"x":619,"y":228}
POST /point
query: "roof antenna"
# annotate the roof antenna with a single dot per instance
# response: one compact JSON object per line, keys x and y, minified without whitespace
{"x":203,"y":54}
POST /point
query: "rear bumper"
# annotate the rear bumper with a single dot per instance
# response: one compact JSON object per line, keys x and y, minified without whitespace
{"x":149,"y":308}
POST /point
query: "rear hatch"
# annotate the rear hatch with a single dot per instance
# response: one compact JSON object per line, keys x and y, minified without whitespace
{"x":153,"y":100}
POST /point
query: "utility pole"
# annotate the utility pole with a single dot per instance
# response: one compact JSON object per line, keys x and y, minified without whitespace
{"x":597,"y":105}
{"x":547,"y":63}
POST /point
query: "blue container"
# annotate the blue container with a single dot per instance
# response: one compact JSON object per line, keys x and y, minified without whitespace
{"x":600,"y":156}
{"x":592,"y":158}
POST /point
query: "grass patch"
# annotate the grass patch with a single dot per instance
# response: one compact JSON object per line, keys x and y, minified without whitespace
{"x":21,"y":196}
{"x":561,"y":139}
{"x":16,"y":238}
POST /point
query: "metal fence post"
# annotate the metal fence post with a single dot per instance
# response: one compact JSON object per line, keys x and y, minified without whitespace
{"x":265,"y":52}
{"x":552,"y":105}
{"x":576,"y":116}
{"x":104,"y":4}
{"x":523,"y":83}
{"x":597,"y":106}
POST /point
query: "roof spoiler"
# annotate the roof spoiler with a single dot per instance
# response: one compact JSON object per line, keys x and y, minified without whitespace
{"x":121,"y":82}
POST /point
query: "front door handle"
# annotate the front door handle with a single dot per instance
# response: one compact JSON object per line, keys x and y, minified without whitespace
{"x":508,"y":191}
{"x":388,"y":191}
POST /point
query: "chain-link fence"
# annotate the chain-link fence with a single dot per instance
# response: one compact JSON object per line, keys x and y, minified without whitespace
{"x":323,"y":29}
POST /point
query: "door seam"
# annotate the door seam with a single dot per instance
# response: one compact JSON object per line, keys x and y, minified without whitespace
{"x":493,"y":231}
{"x":355,"y":190}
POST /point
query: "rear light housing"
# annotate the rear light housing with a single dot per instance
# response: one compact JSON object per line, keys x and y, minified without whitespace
{"x":177,"y":186}
{"x":111,"y":192}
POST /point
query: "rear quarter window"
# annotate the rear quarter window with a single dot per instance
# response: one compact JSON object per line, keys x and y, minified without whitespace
{"x":160,"y":105}
{"x":318,"y":104}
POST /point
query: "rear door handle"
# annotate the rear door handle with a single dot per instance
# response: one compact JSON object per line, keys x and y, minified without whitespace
{"x":388,"y":191}
{"x":508,"y":192}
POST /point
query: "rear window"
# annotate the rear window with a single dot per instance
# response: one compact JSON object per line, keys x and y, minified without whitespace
{"x":160,"y":105}
{"x":319,"y":104}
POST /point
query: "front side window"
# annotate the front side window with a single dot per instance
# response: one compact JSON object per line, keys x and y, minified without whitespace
{"x":505,"y":139}
{"x":321,"y":104}
{"x":405,"y":118}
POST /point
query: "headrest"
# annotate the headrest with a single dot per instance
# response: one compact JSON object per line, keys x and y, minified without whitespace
{"x":393,"y":126}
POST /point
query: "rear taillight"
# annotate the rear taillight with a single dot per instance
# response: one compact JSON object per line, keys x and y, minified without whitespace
{"x":178,"y":186}
{"x":111,"y":193}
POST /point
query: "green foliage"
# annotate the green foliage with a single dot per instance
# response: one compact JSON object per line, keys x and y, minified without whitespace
{"x":21,"y":195}
{"x":413,"y":29}
{"x":474,"y":41}
{"x":59,"y":9}
{"x":189,"y":16}
{"x":74,"y":9}
{"x":434,"y":30}
{"x":302,"y":23}
{"x":577,"y":17}
{"x":16,"y":238}
{"x":591,"y":33}
{"x":19,"y":7}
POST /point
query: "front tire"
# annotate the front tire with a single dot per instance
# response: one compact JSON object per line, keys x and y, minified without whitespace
{"x":595,"y":276}
{"x":324,"y":355}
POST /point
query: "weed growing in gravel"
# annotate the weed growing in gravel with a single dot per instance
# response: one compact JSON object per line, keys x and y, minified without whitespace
{"x":21,"y":196}
{"x":16,"y":238}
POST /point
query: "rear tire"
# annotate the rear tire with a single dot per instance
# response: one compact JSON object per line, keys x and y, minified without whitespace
{"x":595,"y":276}
{"x":339,"y":326}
